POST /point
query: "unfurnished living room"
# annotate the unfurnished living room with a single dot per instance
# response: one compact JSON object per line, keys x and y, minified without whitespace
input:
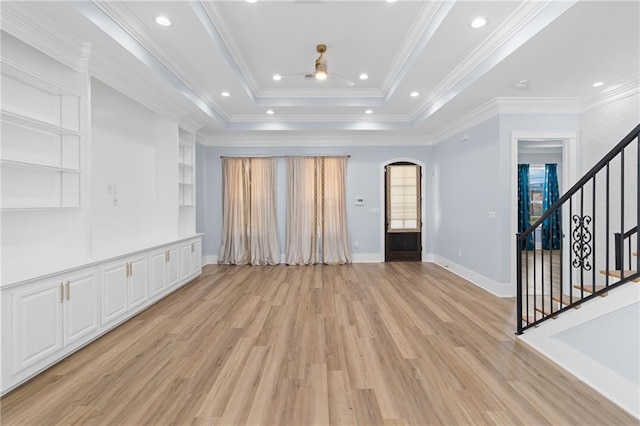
{"x":320,"y":212}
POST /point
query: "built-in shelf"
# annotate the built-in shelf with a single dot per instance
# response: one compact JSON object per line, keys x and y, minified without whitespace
{"x":41,"y":139}
{"x":35,"y":166}
{"x":186,"y":181}
{"x":35,"y":124}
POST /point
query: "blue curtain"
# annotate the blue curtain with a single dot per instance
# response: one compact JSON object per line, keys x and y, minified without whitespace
{"x":552,"y":226}
{"x":524,"y":216}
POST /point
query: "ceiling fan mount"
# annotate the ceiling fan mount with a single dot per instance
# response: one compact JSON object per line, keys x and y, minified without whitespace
{"x":320,"y":71}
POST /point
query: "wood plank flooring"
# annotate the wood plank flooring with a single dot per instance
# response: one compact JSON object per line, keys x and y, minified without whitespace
{"x":369,"y":344}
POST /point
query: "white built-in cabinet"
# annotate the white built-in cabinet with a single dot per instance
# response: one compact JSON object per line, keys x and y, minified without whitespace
{"x":191,"y":259}
{"x":124,"y":286}
{"x":164,"y":270}
{"x":44,"y":320}
{"x":41,"y":141}
{"x":48,"y":315}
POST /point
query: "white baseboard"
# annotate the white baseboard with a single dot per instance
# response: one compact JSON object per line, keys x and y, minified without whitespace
{"x":210,"y":260}
{"x":612,"y":385}
{"x":493,"y":287}
{"x":367,"y":257}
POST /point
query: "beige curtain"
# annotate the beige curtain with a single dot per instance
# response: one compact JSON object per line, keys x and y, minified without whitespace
{"x":263,"y":230}
{"x":249,"y":230}
{"x":316,"y":211}
{"x":335,"y":237}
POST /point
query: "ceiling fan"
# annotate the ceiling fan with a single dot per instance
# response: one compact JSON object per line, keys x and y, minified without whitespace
{"x":320,"y":71}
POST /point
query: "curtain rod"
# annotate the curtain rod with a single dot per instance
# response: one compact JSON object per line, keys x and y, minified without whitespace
{"x":282,"y":156}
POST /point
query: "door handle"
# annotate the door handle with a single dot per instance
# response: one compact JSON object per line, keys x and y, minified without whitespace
{"x":68,"y":290}
{"x":61,"y":292}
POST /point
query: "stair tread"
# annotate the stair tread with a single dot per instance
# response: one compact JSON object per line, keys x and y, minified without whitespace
{"x":566,"y":299}
{"x":589,"y":288}
{"x":618,"y":274}
{"x":547,"y":310}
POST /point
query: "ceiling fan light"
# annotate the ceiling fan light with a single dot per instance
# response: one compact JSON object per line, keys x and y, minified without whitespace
{"x":321,"y":75}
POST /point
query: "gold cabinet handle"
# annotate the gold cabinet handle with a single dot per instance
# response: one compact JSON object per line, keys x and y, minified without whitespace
{"x":61,"y":292}
{"x":130,"y":269}
{"x":68,"y":291}
{"x":192,"y":247}
{"x":127,"y":270}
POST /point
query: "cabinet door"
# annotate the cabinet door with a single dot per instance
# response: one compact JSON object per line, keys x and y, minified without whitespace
{"x":37,"y":323}
{"x":138,"y":281}
{"x":196,"y":257}
{"x":81,"y":306}
{"x":114,"y":291}
{"x":185,"y":258}
{"x":172,"y":266}
{"x":158,"y":272}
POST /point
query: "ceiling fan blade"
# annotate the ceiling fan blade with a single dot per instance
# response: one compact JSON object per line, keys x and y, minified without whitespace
{"x":341,"y":78}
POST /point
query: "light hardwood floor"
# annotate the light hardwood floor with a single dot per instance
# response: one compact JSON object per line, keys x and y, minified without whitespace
{"x":387,"y":344}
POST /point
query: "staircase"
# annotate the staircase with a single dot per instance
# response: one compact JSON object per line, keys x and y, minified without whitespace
{"x":599,"y":247}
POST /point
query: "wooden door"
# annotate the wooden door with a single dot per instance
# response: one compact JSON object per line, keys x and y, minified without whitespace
{"x":403,"y":223}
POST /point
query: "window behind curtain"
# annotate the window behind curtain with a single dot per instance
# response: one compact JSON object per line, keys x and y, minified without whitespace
{"x":536,"y":187}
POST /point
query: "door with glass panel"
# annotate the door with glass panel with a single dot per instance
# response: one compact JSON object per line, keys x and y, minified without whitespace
{"x":403,"y":224}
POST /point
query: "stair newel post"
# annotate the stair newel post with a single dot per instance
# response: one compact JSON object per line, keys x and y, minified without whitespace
{"x":519,"y":283}
{"x":606,"y":233}
{"x":621,"y":249}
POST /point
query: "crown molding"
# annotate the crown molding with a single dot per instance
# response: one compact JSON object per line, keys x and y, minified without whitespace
{"x":211,"y":19}
{"x":32,"y":27}
{"x":615,"y":91}
{"x":425,"y":26}
{"x":128,"y":83}
{"x":93,"y":12}
{"x":305,"y":139}
{"x":189,"y":124}
{"x":474,"y":117}
{"x":526,"y":21}
{"x":506,"y":106}
{"x":537,"y":105}
{"x":120,"y":14}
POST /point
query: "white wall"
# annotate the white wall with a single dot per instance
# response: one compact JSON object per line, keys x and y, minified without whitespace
{"x":363,"y":181}
{"x":135,"y":150}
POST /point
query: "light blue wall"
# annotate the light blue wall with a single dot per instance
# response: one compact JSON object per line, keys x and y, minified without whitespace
{"x":467,"y":186}
{"x":465,"y":179}
{"x":473,"y":177}
{"x":363,"y":181}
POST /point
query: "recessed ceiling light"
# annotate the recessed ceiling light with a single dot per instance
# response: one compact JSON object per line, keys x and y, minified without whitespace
{"x":270,"y":112}
{"x":522,"y":84}
{"x":479,"y":22}
{"x":363,"y":76}
{"x":225,"y":94}
{"x":391,"y":1}
{"x":414,"y":94}
{"x":163,"y":20}
{"x":368,"y":111}
{"x":251,"y":1}
{"x":598,"y":84}
{"x":277,"y":77}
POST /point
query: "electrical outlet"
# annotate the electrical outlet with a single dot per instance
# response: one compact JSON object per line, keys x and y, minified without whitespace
{"x":356,"y":245}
